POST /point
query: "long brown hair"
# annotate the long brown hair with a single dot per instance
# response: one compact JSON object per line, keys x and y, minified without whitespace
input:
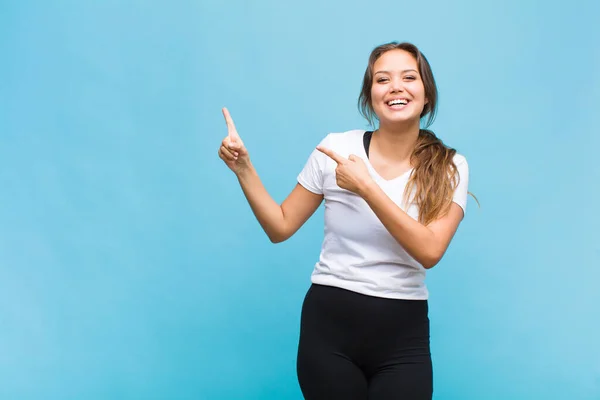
{"x":435,"y":176}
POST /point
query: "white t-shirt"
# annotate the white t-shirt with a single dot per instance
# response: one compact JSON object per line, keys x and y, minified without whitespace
{"x":358,"y":252}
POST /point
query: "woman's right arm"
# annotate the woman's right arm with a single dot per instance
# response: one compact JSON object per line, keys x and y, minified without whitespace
{"x":279,"y":222}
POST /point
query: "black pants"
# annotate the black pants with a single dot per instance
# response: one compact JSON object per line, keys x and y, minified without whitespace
{"x":354,"y":346}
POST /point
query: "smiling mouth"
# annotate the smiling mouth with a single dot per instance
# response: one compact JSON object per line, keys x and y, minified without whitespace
{"x":397,"y":103}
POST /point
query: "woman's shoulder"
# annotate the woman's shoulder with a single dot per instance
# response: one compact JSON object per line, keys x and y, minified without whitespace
{"x":345,"y":137}
{"x":345,"y":143}
{"x":460,"y":161}
{"x":459,"y":158}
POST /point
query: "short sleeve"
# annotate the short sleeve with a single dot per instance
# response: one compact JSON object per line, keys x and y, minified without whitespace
{"x":311,"y":176}
{"x":462,"y":189}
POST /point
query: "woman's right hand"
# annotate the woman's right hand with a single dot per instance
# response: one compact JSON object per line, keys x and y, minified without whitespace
{"x":232,"y":150}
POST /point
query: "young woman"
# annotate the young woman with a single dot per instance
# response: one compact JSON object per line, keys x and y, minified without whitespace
{"x":394,"y":198}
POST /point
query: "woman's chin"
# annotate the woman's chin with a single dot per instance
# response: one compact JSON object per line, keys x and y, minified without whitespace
{"x":399,"y":119}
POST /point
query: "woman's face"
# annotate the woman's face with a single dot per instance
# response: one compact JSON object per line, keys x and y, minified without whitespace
{"x":397,"y":93}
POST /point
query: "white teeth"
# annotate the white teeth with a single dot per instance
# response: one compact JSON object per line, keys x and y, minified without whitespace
{"x":398,"y":101}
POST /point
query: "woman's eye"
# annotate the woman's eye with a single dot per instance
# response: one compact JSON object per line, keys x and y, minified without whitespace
{"x":381,"y":80}
{"x":411,"y":78}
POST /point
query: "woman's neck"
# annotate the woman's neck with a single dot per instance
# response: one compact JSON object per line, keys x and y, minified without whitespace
{"x":396,"y":142}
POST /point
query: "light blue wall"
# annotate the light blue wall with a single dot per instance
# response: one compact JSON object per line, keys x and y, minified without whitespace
{"x":131,"y":266}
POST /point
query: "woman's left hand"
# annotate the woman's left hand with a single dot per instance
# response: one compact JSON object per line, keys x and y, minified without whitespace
{"x":351,"y":173}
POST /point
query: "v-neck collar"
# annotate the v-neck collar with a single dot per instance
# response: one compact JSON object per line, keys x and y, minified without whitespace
{"x":364,"y":143}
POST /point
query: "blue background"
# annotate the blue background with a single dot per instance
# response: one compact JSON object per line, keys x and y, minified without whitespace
{"x":131,"y":266}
